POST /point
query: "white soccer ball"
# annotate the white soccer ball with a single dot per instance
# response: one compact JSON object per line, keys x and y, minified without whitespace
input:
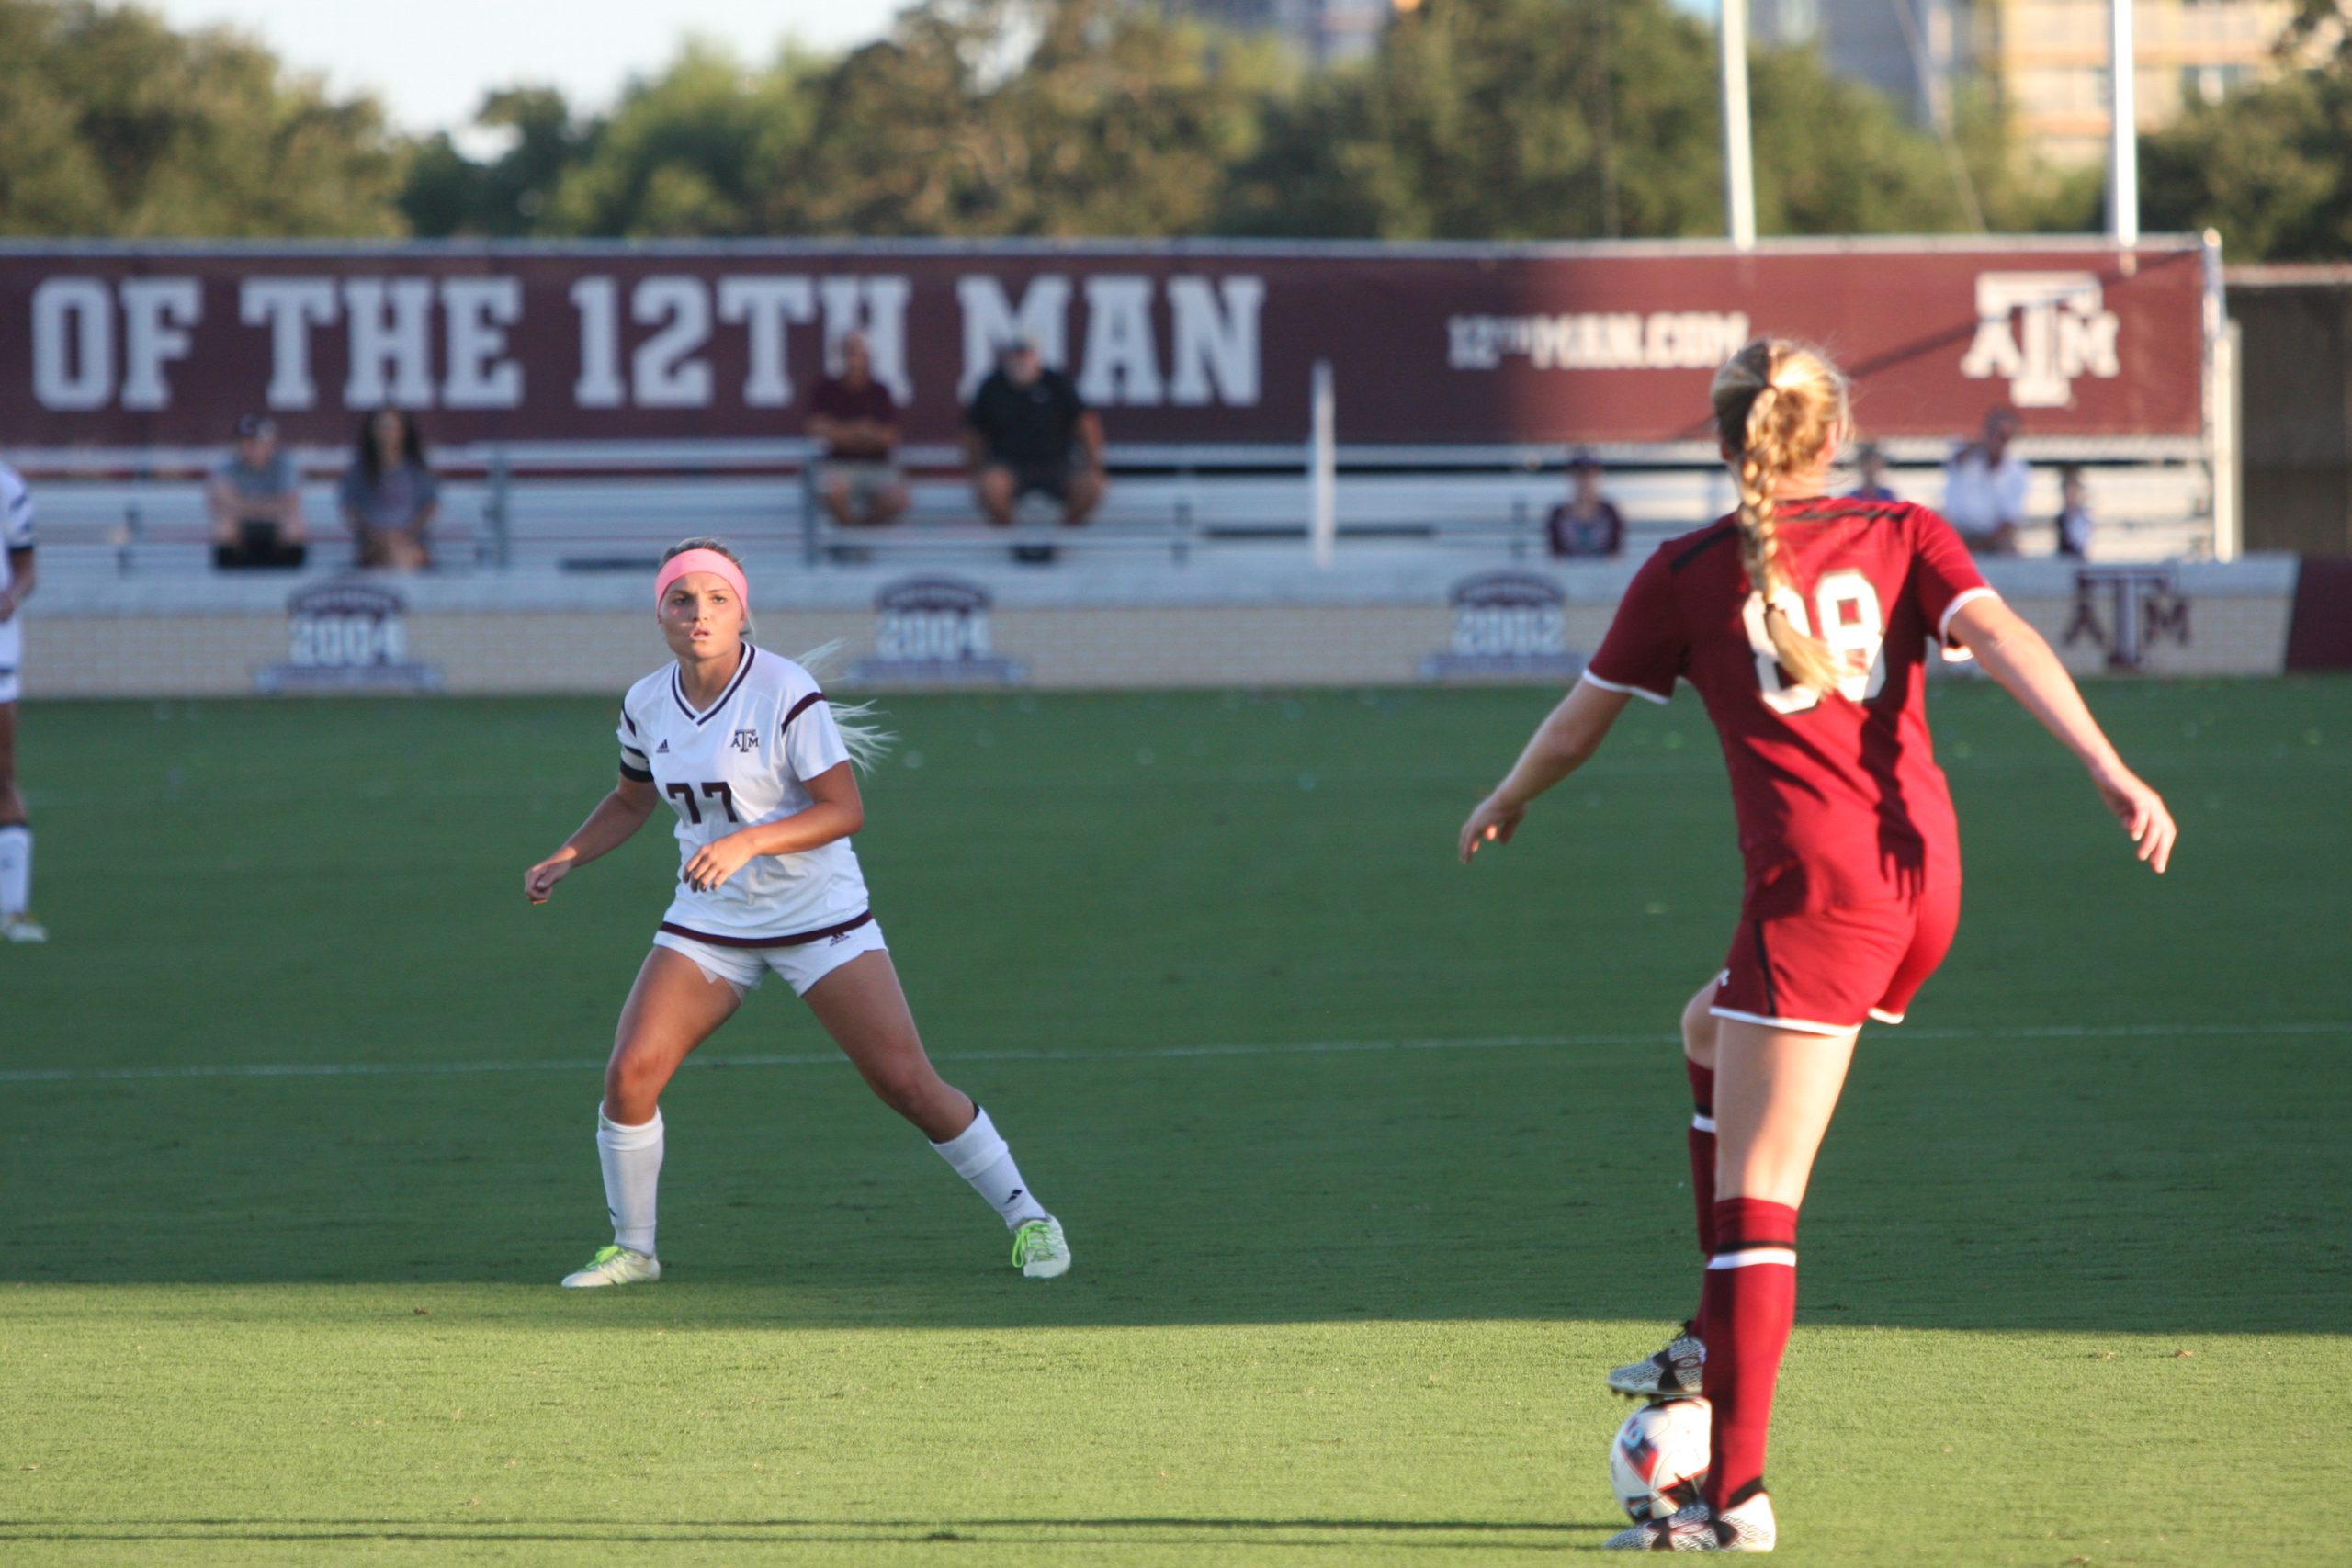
{"x":1657,"y":1462}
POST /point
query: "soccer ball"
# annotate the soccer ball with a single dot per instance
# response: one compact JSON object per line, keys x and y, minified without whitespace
{"x":1658,"y":1460}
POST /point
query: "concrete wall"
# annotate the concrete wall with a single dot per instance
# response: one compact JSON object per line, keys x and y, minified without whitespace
{"x":1373,"y":625}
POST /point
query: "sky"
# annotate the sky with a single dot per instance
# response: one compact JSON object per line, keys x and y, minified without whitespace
{"x":431,"y":60}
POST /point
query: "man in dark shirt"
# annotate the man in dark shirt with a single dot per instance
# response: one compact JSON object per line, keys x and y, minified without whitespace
{"x":1027,"y":429}
{"x":857,"y":418}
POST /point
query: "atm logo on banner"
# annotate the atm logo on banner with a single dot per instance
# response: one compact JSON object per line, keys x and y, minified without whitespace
{"x":2040,"y":331}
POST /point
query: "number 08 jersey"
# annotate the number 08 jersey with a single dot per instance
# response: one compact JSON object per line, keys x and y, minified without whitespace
{"x":1840,"y":800}
{"x":746,"y":760}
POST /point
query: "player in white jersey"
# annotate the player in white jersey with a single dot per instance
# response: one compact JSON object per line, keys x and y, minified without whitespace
{"x":16,"y":578}
{"x":743,"y":746}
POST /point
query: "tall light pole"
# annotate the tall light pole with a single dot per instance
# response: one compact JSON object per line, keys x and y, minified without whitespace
{"x":1739,"y":165}
{"x":2123,"y":129}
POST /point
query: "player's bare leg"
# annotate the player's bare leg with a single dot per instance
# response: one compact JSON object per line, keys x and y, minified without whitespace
{"x":862,"y":1005}
{"x":674,"y":1007}
{"x":16,"y":924}
{"x":863,"y":1008}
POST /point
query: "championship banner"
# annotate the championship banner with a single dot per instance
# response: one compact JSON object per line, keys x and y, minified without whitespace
{"x":133,"y":346}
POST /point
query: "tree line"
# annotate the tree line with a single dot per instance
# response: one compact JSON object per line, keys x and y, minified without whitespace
{"x":1476,"y":119}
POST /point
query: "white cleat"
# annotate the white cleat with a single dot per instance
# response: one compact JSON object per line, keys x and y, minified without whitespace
{"x":22,"y":928}
{"x":1038,"y":1249}
{"x":614,"y":1266}
{"x":1745,"y":1526}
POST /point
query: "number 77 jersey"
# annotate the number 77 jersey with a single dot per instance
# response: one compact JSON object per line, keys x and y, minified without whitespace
{"x":1838,"y":798}
{"x":746,"y":760}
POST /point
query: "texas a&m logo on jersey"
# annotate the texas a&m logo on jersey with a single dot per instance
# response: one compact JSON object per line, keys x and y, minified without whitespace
{"x":2041,"y":329}
{"x":744,"y":740}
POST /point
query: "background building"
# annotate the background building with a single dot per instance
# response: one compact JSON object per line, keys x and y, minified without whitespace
{"x":2046,"y":59}
{"x":1325,"y":31}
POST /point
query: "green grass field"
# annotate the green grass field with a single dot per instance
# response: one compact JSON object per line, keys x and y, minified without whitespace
{"x":1372,"y":1163}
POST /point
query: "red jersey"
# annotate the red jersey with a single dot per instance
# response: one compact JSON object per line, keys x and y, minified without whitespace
{"x":1839,"y":799}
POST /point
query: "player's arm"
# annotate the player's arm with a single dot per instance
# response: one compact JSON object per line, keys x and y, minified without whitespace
{"x":23,"y":576}
{"x":835,"y":811}
{"x":615,"y":821}
{"x":2013,"y":654}
{"x":1564,"y":742}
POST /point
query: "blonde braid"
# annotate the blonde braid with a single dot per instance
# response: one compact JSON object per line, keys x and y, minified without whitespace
{"x":1791,"y":396}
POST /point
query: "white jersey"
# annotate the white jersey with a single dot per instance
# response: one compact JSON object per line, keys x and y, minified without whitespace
{"x":15,"y":520}
{"x":743,"y":760}
{"x":15,"y":534}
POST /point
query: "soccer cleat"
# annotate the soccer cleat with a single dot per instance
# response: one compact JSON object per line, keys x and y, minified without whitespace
{"x":1745,"y":1526}
{"x":614,"y":1266}
{"x":1038,"y":1249}
{"x":22,"y":928}
{"x":1674,"y":1372}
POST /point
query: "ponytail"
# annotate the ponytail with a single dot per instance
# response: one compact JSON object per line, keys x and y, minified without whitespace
{"x":867,"y":741}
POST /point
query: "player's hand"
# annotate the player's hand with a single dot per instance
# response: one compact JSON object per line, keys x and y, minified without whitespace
{"x":2141,"y":812}
{"x":7,"y":608}
{"x":716,"y":862}
{"x":1491,"y":823}
{"x":540,"y":880}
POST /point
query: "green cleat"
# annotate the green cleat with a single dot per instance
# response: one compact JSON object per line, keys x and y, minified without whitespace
{"x":1038,"y":1249}
{"x":614,"y":1266}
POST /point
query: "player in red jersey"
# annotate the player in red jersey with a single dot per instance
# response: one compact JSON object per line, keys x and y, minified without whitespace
{"x":1805,"y":623}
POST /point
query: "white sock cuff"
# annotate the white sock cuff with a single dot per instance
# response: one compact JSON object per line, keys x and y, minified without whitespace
{"x":613,"y":1134}
{"x":974,"y":1148}
{"x":24,"y":827}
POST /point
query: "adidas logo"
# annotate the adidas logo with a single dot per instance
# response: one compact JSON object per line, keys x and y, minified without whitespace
{"x":661,"y":749}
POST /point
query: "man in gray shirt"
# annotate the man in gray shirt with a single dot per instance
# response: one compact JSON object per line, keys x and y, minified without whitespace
{"x":256,"y":501}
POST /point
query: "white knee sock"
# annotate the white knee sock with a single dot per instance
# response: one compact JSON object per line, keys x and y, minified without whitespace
{"x":632,"y":1160}
{"x":15,"y":868}
{"x":980,"y":1157}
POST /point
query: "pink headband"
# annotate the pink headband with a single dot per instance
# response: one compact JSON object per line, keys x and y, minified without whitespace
{"x":710,"y":561}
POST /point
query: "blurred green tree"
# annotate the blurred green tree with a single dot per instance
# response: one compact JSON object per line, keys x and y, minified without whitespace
{"x":113,"y":124}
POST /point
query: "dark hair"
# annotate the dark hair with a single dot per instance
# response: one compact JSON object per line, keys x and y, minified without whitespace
{"x":411,"y":442}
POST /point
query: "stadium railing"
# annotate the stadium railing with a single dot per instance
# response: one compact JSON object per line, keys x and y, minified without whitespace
{"x":579,"y":507}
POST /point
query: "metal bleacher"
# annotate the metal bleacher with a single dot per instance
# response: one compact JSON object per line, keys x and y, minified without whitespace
{"x":573,"y":509}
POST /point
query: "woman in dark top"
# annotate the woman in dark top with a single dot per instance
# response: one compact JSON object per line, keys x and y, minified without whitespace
{"x":389,"y":497}
{"x":1586,"y":524}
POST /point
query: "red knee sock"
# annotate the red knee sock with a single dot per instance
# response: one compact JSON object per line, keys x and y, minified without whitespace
{"x":1751,"y":1303}
{"x":1703,"y":1165}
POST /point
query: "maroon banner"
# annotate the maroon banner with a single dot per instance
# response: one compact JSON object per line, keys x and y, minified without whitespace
{"x":146,"y":347}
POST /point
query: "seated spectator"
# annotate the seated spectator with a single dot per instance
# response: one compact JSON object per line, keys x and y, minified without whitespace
{"x":1586,"y":523}
{"x":254,"y":500}
{"x":389,"y":497}
{"x":1027,"y":431}
{"x":1985,"y":485}
{"x":857,"y":418}
{"x":2074,"y":514}
{"x":1872,"y":464}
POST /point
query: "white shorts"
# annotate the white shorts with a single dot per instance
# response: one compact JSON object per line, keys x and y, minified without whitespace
{"x":12,"y":647}
{"x":801,"y":966}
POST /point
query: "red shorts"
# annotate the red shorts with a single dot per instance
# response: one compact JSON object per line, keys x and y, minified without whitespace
{"x":1828,"y":971}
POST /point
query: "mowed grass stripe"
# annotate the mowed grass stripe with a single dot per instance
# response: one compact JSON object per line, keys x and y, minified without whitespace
{"x":1133,"y":1053}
